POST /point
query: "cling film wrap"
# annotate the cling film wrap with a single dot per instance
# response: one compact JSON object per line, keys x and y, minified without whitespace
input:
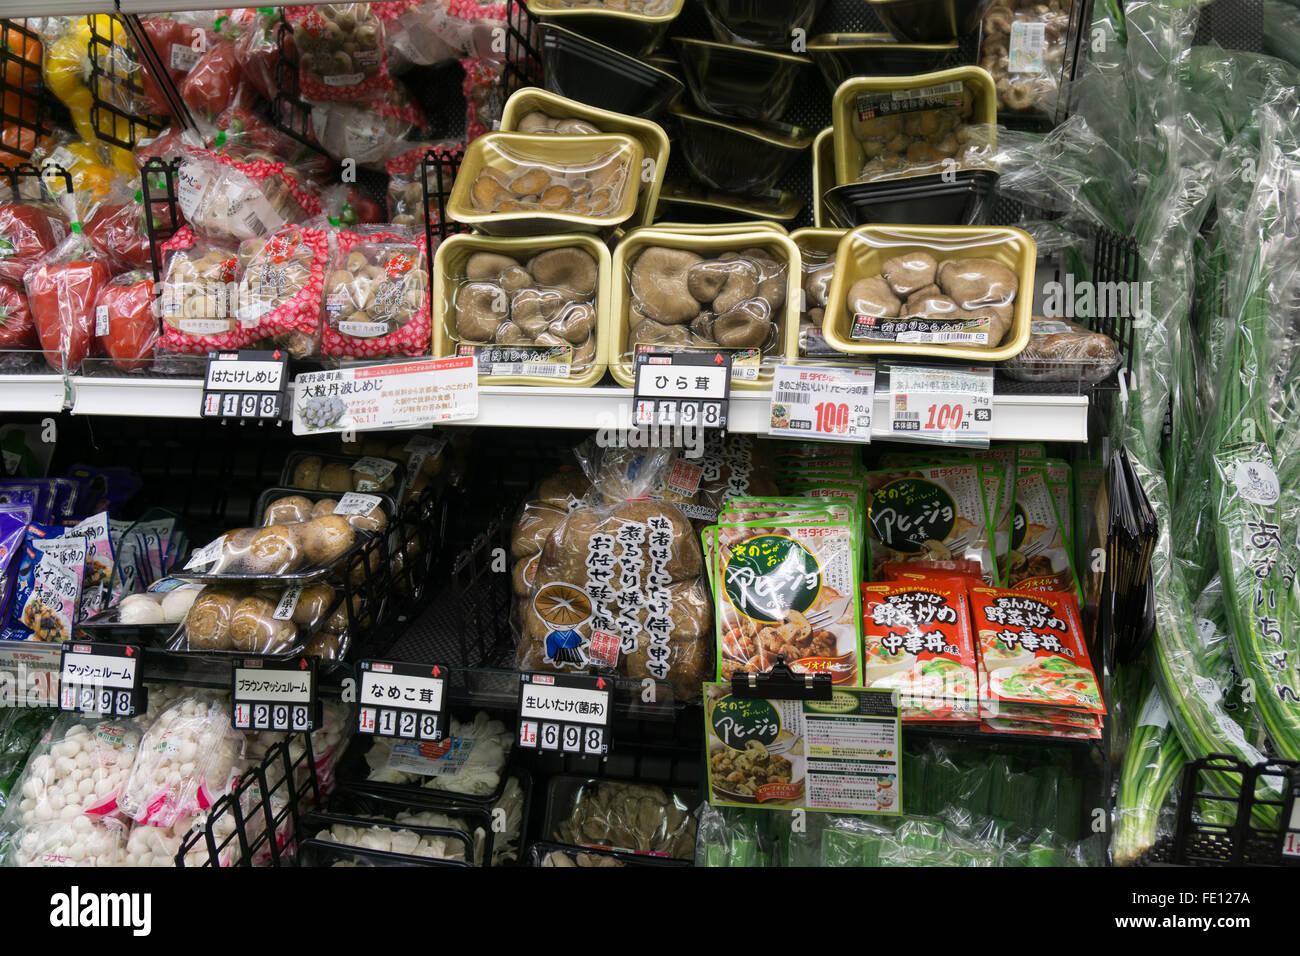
{"x":1024,"y":45}
{"x":617,"y":585}
{"x":1153,"y":764}
{"x":341,"y":52}
{"x":186,"y":761}
{"x":376,"y":300}
{"x":611,"y":814}
{"x":282,"y":279}
{"x":471,"y":761}
{"x":788,"y":589}
{"x":79,"y":767}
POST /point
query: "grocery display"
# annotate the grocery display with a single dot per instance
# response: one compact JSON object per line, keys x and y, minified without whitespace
{"x":648,"y":434}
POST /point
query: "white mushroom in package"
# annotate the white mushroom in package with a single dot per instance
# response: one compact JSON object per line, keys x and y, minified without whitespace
{"x":158,"y":846}
{"x":186,"y":762}
{"x":80,"y":841}
{"x":470,"y":761}
{"x":80,"y":768}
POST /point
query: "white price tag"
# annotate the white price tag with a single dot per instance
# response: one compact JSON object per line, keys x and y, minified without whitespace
{"x":355,"y":503}
{"x":386,"y":396}
{"x":101,"y":320}
{"x":184,"y":57}
{"x":404,"y":700}
{"x":232,"y":373}
{"x":946,"y":405}
{"x":206,"y":556}
{"x":833,"y":404}
{"x":375,"y":470}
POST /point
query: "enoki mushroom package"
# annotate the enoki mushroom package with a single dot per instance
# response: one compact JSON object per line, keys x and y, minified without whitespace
{"x":787,"y":589}
{"x":616,"y":585}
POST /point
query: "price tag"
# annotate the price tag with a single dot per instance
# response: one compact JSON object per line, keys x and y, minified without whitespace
{"x":566,"y":713}
{"x":1291,"y":835}
{"x":945,"y":405}
{"x":687,"y":388}
{"x":374,"y":472}
{"x":829,"y":404}
{"x":402,"y":700}
{"x":101,"y":679}
{"x":32,"y":672}
{"x":385,"y":396}
{"x":275,"y":695}
{"x":246,"y":385}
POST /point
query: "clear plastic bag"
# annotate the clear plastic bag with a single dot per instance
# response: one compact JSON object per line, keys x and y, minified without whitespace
{"x":1023,"y":45}
{"x":126,"y":323}
{"x":1061,"y":351}
{"x":61,"y":291}
{"x":377,"y":295}
{"x":231,"y":198}
{"x":341,"y":54}
{"x":472,"y":764}
{"x":281,"y":288}
{"x":186,"y":761}
{"x":252,"y":620}
{"x":198,"y":292}
{"x":370,"y":131}
{"x":79,"y":841}
{"x":623,"y":816}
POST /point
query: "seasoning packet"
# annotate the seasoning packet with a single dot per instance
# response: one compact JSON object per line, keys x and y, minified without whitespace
{"x":99,"y":562}
{"x":1031,"y":651}
{"x":14,"y":520}
{"x":49,"y":595}
{"x":1039,"y":556}
{"x":916,"y":639}
{"x":788,"y":589}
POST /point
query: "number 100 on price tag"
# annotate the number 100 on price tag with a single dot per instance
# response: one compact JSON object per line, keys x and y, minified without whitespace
{"x":947,"y":405}
{"x":831,"y":404}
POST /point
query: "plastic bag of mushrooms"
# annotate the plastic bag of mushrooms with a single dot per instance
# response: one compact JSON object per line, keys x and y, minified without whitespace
{"x":547,"y":300}
{"x":918,"y":300}
{"x":733,"y":301}
{"x":611,"y":578}
{"x":1023,"y":46}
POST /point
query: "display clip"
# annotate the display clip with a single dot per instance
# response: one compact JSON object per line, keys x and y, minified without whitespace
{"x":781,"y":683}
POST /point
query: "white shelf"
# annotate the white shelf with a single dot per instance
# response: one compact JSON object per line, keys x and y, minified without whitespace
{"x":16,"y":9}
{"x":1015,"y":417}
{"x":32,"y":393}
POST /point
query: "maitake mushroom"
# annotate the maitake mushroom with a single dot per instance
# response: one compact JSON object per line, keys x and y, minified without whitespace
{"x":680,"y":298}
{"x":551,"y":302}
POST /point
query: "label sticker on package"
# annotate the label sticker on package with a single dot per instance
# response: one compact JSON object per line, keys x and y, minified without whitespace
{"x":888,"y":102}
{"x":920,"y":331}
{"x":833,"y":404}
{"x":445,"y":758}
{"x":284,"y":608}
{"x":183,"y":57}
{"x":841,"y":755}
{"x":101,"y":320}
{"x":376,"y":471}
{"x":1025,"y":51}
{"x":386,"y":396}
{"x":551,"y":361}
{"x":355,"y":503}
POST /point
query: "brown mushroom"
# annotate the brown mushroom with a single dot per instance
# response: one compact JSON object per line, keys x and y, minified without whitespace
{"x":575,"y":322}
{"x":702,"y":326}
{"x":568,"y":270}
{"x":745,"y":326}
{"x":530,"y":183}
{"x":533,"y":309}
{"x":510,"y":334}
{"x":706,"y":279}
{"x":873,"y":297}
{"x":659,"y":285}
{"x":650,"y":332}
{"x":817,"y":283}
{"x":487,"y":193}
{"x":488,"y":265}
{"x":741,"y":285}
{"x":908,"y":272}
{"x":976,"y":282}
{"x":480,"y":308}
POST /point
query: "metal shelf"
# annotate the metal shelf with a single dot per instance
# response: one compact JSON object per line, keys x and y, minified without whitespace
{"x":1017,"y":417}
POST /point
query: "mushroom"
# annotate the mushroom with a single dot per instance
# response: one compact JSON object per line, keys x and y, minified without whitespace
{"x":659,"y":285}
{"x":976,"y":282}
{"x":533,"y":309}
{"x":702,"y":326}
{"x":568,"y":270}
{"x":530,"y":183}
{"x":585,"y":353}
{"x":741,"y":284}
{"x":817,"y":283}
{"x":908,"y":272}
{"x":930,"y":306}
{"x":745,"y":326}
{"x":480,"y":309}
{"x":575,"y":322}
{"x":488,"y":265}
{"x":999,"y":317}
{"x":487,"y":193}
{"x":706,"y":279}
{"x":576,"y":127}
{"x":873,"y":297}
{"x":536,"y":122}
{"x":515,"y":278}
{"x":510,"y":334}
{"x":650,"y":332}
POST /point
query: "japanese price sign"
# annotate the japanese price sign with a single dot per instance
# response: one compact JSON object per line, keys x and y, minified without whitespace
{"x":385,"y":396}
{"x":1291,"y":832}
{"x":101,"y":679}
{"x":275,"y":695}
{"x":830,"y":404}
{"x":687,"y":387}
{"x":947,"y":405}
{"x":402,"y":700}
{"x":245,"y":385}
{"x":566,"y":713}
{"x":29,"y":674}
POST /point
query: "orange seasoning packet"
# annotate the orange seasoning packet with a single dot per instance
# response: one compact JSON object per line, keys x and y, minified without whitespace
{"x":916,"y":638}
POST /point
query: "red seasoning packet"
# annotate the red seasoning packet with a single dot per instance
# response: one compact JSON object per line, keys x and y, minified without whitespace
{"x":1032,"y":652}
{"x":916,"y":638}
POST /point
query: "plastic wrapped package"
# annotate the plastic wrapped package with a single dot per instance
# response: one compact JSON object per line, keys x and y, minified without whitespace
{"x":368,"y":132}
{"x":231,"y":198}
{"x":1153,"y":765}
{"x":1023,"y":46}
{"x":242,"y":132}
{"x":17,"y":328}
{"x":481,"y":87}
{"x":471,"y":762}
{"x":178,"y":39}
{"x":259,"y":49}
{"x":254,"y":620}
{"x":341,"y":53}
{"x":158,"y":607}
{"x":611,"y":814}
{"x":1062,"y":351}
{"x":817,"y":257}
{"x":159,"y":846}
{"x":377,"y":296}
{"x":414,"y":840}
{"x":79,"y":768}
{"x":216,"y":83}
{"x":732,"y":837}
{"x":74,"y":842}
{"x":61,"y":290}
{"x":186,"y":761}
{"x":281,"y":287}
{"x":330,"y":740}
{"x":618,"y":584}
{"x":406,"y":184}
{"x":337,"y":475}
{"x":198,"y":292}
{"x":28,"y":232}
{"x":527,"y":309}
{"x":47,"y":595}
{"x":434,"y":31}
{"x":126,"y":324}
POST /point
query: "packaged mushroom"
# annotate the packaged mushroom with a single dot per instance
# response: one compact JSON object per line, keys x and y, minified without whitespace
{"x":280,"y":293}
{"x":406,"y":205}
{"x":611,"y":814}
{"x":582,"y":182}
{"x":337,"y":474}
{"x":198,"y":292}
{"x":736,"y":291}
{"x":893,"y":127}
{"x":241,"y":198}
{"x":377,"y":295}
{"x":617,"y":585}
{"x":817,"y":256}
{"x":340,"y":49}
{"x":1023,"y":46}
{"x":1062,"y":351}
{"x":525,"y":309}
{"x":946,"y":291}
{"x":247,"y":619}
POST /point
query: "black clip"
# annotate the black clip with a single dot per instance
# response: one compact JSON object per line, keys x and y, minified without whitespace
{"x":781,"y":683}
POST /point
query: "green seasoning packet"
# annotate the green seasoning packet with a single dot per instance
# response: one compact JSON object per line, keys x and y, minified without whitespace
{"x":838,"y":509}
{"x":788,"y":588}
{"x":1040,"y":554}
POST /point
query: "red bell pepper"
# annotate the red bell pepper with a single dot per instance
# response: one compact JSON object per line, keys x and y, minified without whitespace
{"x":217,"y":83}
{"x":62,"y":292}
{"x":27,"y":232}
{"x":126,"y":307}
{"x":17,"y":330}
{"x":117,"y":232}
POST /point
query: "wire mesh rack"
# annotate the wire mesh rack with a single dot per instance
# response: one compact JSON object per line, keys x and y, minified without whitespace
{"x":119,"y":53}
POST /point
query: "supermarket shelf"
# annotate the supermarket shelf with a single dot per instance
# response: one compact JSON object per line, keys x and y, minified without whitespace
{"x":1017,"y":417}
{"x":32,"y":393}
{"x":55,"y":8}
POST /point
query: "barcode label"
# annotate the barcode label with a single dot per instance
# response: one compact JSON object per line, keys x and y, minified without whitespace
{"x":906,"y":415}
{"x":550,"y":369}
{"x":1025,"y":51}
{"x":939,"y":338}
{"x":792,"y":398}
{"x":253,"y":223}
{"x":908,"y":101}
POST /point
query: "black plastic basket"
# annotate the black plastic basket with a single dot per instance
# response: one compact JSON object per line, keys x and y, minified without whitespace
{"x":27,"y":110}
{"x":119,"y":53}
{"x":162,"y":213}
{"x":25,"y":181}
{"x":265,"y":808}
{"x":523,"y":58}
{"x":290,"y":114}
